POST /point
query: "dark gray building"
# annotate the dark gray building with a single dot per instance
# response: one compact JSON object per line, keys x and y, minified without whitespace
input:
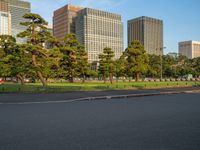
{"x":149,"y":32}
{"x":17,"y":9}
{"x":97,"y":30}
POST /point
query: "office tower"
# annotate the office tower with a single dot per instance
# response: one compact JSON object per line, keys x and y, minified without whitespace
{"x":190,"y":49}
{"x":149,"y":32}
{"x":97,"y":29}
{"x":5,"y":19}
{"x":17,"y":9}
{"x":64,"y":21}
{"x":94,"y":29}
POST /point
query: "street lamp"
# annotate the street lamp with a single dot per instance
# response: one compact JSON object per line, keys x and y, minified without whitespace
{"x":161,"y":49}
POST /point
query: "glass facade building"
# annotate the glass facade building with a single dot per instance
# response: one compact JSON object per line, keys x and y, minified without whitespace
{"x":17,"y":9}
{"x":94,"y":29}
{"x":97,"y":30}
{"x":149,"y":32}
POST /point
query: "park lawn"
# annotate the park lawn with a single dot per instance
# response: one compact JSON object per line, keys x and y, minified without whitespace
{"x":91,"y":86}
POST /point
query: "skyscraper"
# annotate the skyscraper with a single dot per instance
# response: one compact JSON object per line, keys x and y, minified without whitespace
{"x":17,"y":9}
{"x":97,"y":29}
{"x":94,"y":29}
{"x":5,"y":19}
{"x":149,"y":32}
{"x":64,"y":21}
{"x":190,"y":49}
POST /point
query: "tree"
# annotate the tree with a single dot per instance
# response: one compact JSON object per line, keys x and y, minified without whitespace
{"x":154,"y":66}
{"x":51,"y":65}
{"x":168,"y":66}
{"x":7,"y":44}
{"x":14,"y":61}
{"x":196,"y":66}
{"x":70,"y":49}
{"x":21,"y":63}
{"x":36,"y":35}
{"x":137,"y":59}
{"x":106,"y":64}
{"x":83,"y":68}
{"x":120,"y":67}
{"x":184,"y":66}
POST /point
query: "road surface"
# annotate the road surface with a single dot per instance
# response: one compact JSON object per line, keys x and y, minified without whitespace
{"x":165,"y":122}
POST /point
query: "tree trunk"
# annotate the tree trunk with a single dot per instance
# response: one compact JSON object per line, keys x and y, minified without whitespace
{"x":71,"y":79}
{"x":111,"y":78}
{"x":44,"y":83}
{"x":104,"y":78}
{"x":137,"y":77}
{"x":21,"y":79}
{"x":83,"y":80}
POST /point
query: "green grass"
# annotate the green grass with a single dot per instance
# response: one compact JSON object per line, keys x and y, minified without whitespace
{"x":91,"y":86}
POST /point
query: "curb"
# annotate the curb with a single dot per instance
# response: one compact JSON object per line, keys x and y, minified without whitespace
{"x":135,"y":95}
{"x":102,"y":98}
{"x":131,"y":95}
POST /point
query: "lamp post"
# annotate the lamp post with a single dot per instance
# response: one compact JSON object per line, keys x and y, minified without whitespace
{"x":161,"y":61}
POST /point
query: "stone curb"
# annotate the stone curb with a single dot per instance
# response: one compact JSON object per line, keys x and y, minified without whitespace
{"x":102,"y":98}
{"x":132,"y":95}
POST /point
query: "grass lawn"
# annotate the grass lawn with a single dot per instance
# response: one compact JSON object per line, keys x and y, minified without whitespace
{"x":91,"y":86}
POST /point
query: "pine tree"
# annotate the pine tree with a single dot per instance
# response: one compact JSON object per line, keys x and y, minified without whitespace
{"x":106,"y":64}
{"x":137,"y":60}
{"x":36,"y":35}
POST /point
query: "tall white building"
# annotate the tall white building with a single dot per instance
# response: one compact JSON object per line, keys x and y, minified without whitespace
{"x":5,"y":19}
{"x":5,"y":23}
{"x":97,"y":30}
{"x":190,"y":49}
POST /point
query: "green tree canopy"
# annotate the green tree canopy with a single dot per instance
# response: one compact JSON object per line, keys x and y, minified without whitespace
{"x":14,"y":61}
{"x":154,"y":66}
{"x":137,"y":59}
{"x":106,"y":64}
{"x":74,"y":62}
{"x":36,"y":35}
{"x":120,"y":67}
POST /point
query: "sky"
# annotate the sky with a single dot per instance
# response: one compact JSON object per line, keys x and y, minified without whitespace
{"x":181,"y":18}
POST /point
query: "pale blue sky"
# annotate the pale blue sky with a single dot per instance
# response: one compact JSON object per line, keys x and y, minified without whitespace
{"x":181,"y":17}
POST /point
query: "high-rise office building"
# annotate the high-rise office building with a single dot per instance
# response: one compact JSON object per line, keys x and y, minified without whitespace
{"x":17,"y":9}
{"x":94,"y":29}
{"x":64,"y":21}
{"x":5,"y":19}
{"x":97,"y":29}
{"x":190,"y":49}
{"x":149,"y":32}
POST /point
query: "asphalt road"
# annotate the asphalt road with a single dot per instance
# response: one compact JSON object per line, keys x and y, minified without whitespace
{"x":168,"y":122}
